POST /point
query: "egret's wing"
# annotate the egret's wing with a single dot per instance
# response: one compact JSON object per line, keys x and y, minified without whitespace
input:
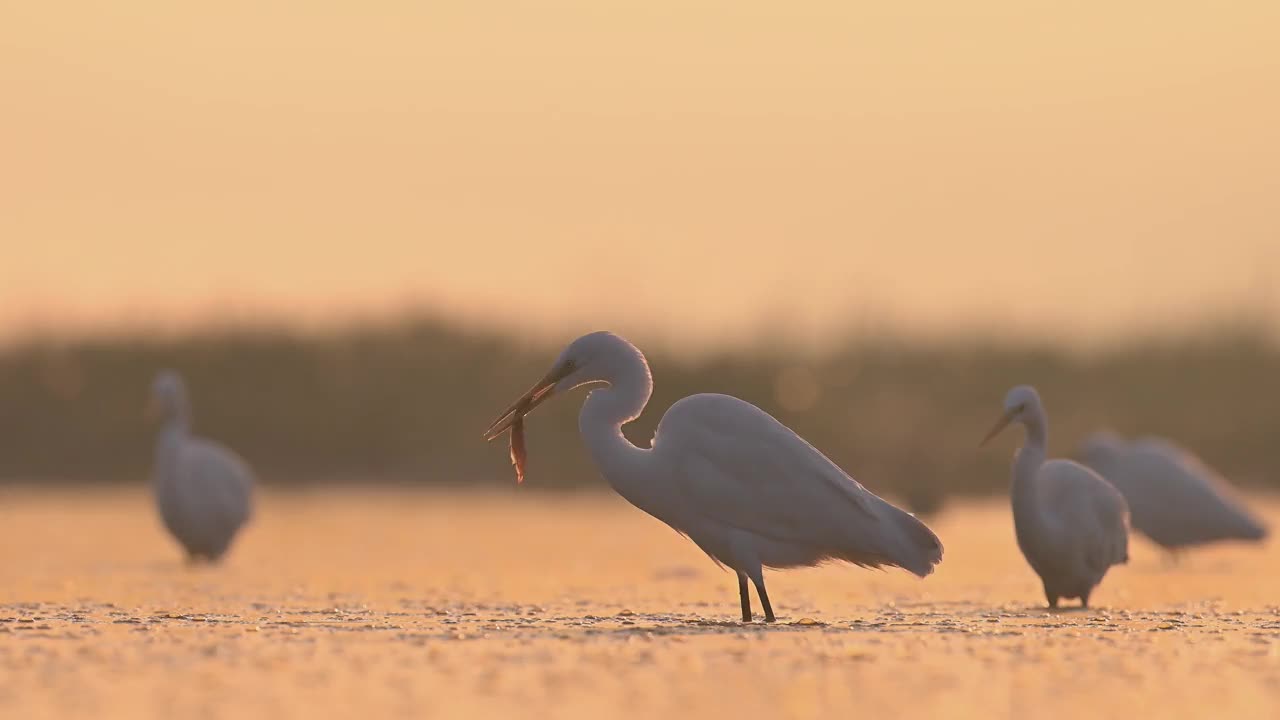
{"x":1178,"y":499}
{"x":218,"y":482}
{"x":738,"y":466}
{"x":1091,"y":514}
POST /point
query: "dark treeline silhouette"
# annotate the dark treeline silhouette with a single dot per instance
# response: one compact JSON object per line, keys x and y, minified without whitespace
{"x":406,"y":403}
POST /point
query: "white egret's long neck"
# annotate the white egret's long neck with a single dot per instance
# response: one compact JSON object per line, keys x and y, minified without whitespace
{"x":1027,"y":520}
{"x":175,"y":430}
{"x":604,"y":413}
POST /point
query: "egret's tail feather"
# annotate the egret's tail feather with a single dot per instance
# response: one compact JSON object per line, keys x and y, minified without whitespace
{"x":911,"y":545}
{"x":926,"y":545}
{"x":1237,"y":523}
{"x":1253,"y":530}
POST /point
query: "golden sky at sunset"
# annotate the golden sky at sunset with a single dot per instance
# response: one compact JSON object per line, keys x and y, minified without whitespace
{"x":700,"y":169}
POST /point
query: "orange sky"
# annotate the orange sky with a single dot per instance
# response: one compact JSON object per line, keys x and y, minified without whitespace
{"x":702,"y":169}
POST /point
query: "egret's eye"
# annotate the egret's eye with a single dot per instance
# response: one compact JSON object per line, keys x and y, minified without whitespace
{"x":564,"y":370}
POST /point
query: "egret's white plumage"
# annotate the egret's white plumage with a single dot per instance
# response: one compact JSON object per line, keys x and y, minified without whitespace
{"x":744,"y":487}
{"x":1071,"y":524}
{"x":203,"y":490}
{"x":1174,"y":498}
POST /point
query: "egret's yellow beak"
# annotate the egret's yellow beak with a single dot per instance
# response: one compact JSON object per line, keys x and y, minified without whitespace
{"x":544,"y":389}
{"x":1001,"y":424}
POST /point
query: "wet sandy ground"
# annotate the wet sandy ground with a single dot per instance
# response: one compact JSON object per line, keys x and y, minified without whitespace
{"x":372,"y":604}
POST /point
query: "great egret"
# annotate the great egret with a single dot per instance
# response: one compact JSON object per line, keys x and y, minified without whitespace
{"x":1072,"y":525}
{"x":202,"y":489}
{"x":1173,"y":497}
{"x":745,"y":488}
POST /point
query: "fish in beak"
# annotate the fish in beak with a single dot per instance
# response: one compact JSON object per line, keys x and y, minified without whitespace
{"x":1001,"y":424}
{"x":513,"y":417}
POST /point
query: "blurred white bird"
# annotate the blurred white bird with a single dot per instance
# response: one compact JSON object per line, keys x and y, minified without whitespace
{"x":1072,"y":525}
{"x":745,"y":488}
{"x":1173,"y":497}
{"x":203,"y":490}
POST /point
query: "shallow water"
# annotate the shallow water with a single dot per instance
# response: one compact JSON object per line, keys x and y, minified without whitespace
{"x":341,"y":603}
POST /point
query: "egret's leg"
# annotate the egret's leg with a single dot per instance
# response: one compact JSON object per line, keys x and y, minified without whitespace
{"x":1051,"y":596}
{"x":1084,"y":600}
{"x":745,"y":595}
{"x":764,"y":598}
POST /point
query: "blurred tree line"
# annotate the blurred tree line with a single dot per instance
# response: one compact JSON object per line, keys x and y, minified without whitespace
{"x":406,"y":403}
